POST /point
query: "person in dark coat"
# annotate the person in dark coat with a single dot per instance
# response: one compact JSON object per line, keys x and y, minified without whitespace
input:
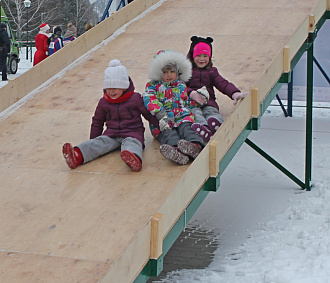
{"x":201,"y":88}
{"x":4,"y":50}
{"x":120,"y":110}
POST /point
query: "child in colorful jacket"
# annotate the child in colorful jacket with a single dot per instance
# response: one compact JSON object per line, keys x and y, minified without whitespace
{"x":201,"y":88}
{"x":120,"y":110}
{"x":166,"y":98}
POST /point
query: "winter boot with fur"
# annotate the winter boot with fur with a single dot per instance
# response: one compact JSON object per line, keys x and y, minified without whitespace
{"x":189,"y":148}
{"x":172,"y":153}
{"x":202,"y":131}
{"x":131,"y":160}
{"x":72,"y":155}
{"x":214,"y":124}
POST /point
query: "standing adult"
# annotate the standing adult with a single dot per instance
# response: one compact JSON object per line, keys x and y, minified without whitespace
{"x":4,"y":50}
{"x":70,"y":34}
{"x":41,"y":44}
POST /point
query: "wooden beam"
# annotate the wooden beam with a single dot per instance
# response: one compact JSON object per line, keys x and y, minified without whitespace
{"x":214,"y":162}
{"x":255,"y":102}
{"x":311,"y":26}
{"x":286,"y":59}
{"x":156,"y":240}
{"x":328,"y":5}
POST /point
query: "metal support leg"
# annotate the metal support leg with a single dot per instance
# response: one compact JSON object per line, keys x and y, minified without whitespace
{"x":290,"y":96}
{"x":309,"y":114}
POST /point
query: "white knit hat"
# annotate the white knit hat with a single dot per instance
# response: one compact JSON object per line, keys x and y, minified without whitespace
{"x":116,"y":76}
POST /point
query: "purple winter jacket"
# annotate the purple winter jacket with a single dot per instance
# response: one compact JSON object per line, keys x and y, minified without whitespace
{"x":210,"y":78}
{"x":122,"y":119}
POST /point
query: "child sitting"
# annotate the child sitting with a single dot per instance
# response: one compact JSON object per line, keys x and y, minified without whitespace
{"x":200,"y":88}
{"x":120,"y":110}
{"x":166,"y":98}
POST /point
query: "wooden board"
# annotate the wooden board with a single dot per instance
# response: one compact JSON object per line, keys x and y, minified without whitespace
{"x":93,"y":224}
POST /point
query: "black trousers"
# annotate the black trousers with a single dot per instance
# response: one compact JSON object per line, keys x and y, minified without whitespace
{"x":3,"y":66}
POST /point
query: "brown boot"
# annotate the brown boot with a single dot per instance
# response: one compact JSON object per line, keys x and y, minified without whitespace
{"x":171,"y":153}
{"x":189,"y":148}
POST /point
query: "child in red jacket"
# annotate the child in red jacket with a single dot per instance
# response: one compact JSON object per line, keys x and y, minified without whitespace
{"x":201,"y":88}
{"x":120,"y":110}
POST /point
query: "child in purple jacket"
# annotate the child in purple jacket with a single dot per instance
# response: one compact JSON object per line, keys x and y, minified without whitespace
{"x":120,"y":110}
{"x":201,"y":91}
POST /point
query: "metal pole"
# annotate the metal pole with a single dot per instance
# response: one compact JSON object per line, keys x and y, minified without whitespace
{"x":309,"y":114}
{"x":27,"y":33}
{"x":290,"y":95}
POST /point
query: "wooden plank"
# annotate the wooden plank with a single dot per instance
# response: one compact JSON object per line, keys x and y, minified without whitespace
{"x":286,"y":59}
{"x":255,"y":102}
{"x":214,"y":162}
{"x":156,"y":242}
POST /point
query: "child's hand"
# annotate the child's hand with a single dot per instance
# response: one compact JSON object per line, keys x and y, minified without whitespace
{"x":239,"y":95}
{"x":199,"y":98}
{"x":164,"y":124}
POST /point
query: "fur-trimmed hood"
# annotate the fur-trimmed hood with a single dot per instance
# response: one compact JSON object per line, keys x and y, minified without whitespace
{"x":167,"y":57}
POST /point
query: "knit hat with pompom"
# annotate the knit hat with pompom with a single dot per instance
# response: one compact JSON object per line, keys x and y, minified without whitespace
{"x":116,"y":76}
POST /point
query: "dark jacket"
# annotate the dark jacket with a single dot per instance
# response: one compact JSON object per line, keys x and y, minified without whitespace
{"x":210,"y":78}
{"x":122,"y":119}
{"x":4,"y":42}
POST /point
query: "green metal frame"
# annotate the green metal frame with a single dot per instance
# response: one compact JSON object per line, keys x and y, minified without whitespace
{"x":155,"y":266}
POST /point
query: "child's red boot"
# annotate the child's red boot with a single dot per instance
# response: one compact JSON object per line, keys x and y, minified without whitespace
{"x":131,"y":160}
{"x":72,"y":155}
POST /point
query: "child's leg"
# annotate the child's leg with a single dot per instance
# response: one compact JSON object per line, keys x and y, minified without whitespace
{"x":214,"y":118}
{"x":190,"y":143}
{"x":94,"y":148}
{"x":200,"y":126}
{"x":199,"y":116}
{"x":131,"y":153}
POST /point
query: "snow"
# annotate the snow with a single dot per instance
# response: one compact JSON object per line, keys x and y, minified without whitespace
{"x":269,"y":229}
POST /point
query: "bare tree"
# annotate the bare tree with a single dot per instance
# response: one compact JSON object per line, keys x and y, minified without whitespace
{"x":20,"y":17}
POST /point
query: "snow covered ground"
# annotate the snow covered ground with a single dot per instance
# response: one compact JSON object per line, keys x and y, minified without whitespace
{"x":269,"y":230}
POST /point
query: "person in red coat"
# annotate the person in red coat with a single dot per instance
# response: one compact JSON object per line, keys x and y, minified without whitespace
{"x":41,"y":44}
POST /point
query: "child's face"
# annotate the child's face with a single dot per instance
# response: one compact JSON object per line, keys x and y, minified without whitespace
{"x":169,"y":75}
{"x":202,"y":60}
{"x":114,"y":93}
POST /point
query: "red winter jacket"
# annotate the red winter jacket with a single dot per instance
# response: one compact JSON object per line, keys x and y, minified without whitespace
{"x":210,"y":78}
{"x":122,"y":119}
{"x":42,"y":48}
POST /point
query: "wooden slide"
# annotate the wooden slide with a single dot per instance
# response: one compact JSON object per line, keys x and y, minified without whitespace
{"x":102,"y":222}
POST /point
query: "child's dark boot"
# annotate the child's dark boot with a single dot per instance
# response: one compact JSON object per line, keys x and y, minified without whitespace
{"x":203,"y":131}
{"x":72,"y":155}
{"x":172,"y":153}
{"x":214,"y":124}
{"x":189,"y":148}
{"x":131,"y":160}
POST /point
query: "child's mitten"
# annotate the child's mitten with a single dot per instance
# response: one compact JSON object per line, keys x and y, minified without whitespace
{"x":164,"y":124}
